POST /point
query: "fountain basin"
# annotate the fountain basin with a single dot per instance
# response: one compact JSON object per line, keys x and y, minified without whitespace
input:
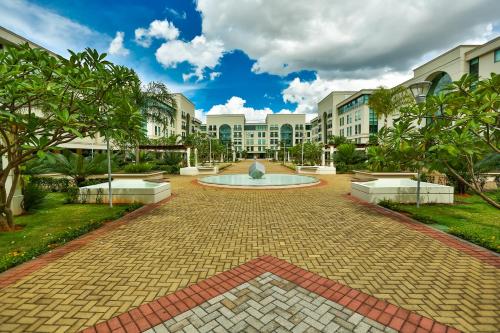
{"x":126,"y":191}
{"x":268,"y":181}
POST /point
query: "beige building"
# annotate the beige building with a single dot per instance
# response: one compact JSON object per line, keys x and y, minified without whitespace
{"x":356,"y":121}
{"x":327,"y":115}
{"x":258,"y":139}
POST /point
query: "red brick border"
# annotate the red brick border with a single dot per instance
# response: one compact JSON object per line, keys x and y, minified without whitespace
{"x":16,"y":273}
{"x":164,"y":308}
{"x":473,"y":250}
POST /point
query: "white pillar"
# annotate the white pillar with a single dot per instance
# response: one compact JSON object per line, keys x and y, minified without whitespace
{"x":196,"y":157}
{"x":188,"y":157}
{"x":221,"y":158}
{"x":331,"y":156}
{"x":288,"y":156}
{"x":276,"y":155}
{"x":234,"y":156}
{"x":323,"y":162}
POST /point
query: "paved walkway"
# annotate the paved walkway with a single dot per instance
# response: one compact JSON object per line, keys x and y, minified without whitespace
{"x":205,"y":231}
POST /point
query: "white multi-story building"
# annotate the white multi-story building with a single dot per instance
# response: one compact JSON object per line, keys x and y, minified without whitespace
{"x":257,"y":139}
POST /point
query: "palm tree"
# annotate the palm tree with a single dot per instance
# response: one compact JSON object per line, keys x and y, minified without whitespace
{"x":73,"y":165}
{"x":387,"y":101}
{"x":157,"y":104}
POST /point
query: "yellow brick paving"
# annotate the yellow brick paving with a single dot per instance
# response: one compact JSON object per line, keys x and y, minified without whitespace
{"x":204,"y":231}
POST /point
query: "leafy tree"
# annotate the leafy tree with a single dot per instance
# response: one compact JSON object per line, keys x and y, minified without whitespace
{"x":387,"y":101}
{"x":47,"y":101}
{"x":451,"y":132}
{"x":312,"y":153}
{"x":337,"y":140}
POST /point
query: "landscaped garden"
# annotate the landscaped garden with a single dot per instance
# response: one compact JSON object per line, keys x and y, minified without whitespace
{"x":469,"y":218}
{"x":53,"y":223}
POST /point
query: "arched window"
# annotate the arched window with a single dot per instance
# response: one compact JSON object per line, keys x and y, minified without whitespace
{"x":286,"y":134}
{"x":225,"y":134}
{"x":439,"y":82}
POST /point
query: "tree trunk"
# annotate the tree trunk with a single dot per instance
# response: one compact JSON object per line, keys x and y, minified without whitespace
{"x":473,"y":188}
{"x":6,"y":215}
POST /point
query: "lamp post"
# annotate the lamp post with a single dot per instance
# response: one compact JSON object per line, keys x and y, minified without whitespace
{"x":419,"y":91}
{"x":302,"y":151}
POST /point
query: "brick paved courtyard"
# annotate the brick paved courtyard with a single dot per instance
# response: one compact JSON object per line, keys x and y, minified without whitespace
{"x":205,"y":231}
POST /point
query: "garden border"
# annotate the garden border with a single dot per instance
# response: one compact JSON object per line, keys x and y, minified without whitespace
{"x":454,"y":242}
{"x":16,"y":273}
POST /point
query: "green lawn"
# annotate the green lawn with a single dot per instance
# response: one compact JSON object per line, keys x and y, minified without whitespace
{"x":54,"y":223}
{"x":469,"y":218}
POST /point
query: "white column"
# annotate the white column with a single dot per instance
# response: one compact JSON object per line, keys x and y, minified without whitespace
{"x":323,"y":162}
{"x":331,"y":156}
{"x":234,"y":156}
{"x":288,"y":156}
{"x":196,"y":157}
{"x":221,"y":158}
{"x":276,"y":155}
{"x":188,"y":157}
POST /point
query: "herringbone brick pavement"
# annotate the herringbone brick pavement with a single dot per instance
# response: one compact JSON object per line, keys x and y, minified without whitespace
{"x":270,"y":304}
{"x":204,"y":231}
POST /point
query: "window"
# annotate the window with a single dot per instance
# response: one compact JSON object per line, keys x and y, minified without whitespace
{"x":474,"y":67}
{"x":341,"y":121}
{"x":373,"y":122}
{"x":357,"y":116}
{"x":496,"y":56}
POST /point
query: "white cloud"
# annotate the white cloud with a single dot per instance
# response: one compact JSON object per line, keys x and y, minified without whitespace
{"x":176,"y":13}
{"x":236,"y":105}
{"x":344,"y":39}
{"x":116,"y":46}
{"x":214,"y":75}
{"x":49,"y":29}
{"x":157,"y":29}
{"x":307,"y":94}
{"x":199,"y":52}
{"x":201,"y":115}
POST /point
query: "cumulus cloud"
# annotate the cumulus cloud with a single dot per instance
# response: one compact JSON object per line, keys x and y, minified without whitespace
{"x":236,"y":105}
{"x":344,"y":39}
{"x":307,"y":94}
{"x":214,"y":75}
{"x":157,"y":29}
{"x":116,"y":46}
{"x":199,"y":52}
{"x":49,"y":29}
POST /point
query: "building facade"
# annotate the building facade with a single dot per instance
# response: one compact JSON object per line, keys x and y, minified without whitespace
{"x":259,"y":139}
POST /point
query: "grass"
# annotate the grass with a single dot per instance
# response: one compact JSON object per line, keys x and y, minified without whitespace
{"x":470,"y":218}
{"x":53,"y":224}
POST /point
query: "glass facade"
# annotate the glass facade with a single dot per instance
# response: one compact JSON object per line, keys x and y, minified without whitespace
{"x":474,"y":67}
{"x":439,"y":83}
{"x":355,"y":103}
{"x":373,"y":122}
{"x":225,"y":134}
{"x":496,"y":56}
{"x":286,"y":134}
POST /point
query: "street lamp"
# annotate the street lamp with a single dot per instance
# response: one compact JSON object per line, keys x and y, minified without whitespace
{"x":302,"y":151}
{"x":419,"y":90}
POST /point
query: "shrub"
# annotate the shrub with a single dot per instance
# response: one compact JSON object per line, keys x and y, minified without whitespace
{"x":389,"y":204}
{"x":171,"y":169}
{"x":94,"y":181}
{"x":50,"y":184}
{"x":73,"y":194}
{"x":138,"y":167}
{"x":34,"y":196}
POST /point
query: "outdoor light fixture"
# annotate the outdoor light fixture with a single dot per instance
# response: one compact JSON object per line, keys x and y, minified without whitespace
{"x":419,"y":90}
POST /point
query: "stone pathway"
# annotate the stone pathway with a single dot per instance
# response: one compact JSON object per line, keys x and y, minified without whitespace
{"x":269,"y":304}
{"x":205,"y":231}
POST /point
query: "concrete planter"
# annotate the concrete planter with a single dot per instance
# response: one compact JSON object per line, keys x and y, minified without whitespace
{"x":369,"y":175}
{"x":316,"y":169}
{"x":126,"y":191}
{"x":200,"y":170}
{"x":401,"y":190}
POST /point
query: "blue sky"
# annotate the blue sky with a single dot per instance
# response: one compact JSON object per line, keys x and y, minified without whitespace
{"x":255,"y":56}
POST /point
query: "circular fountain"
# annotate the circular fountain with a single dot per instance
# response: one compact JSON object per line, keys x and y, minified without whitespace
{"x":257,"y":178}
